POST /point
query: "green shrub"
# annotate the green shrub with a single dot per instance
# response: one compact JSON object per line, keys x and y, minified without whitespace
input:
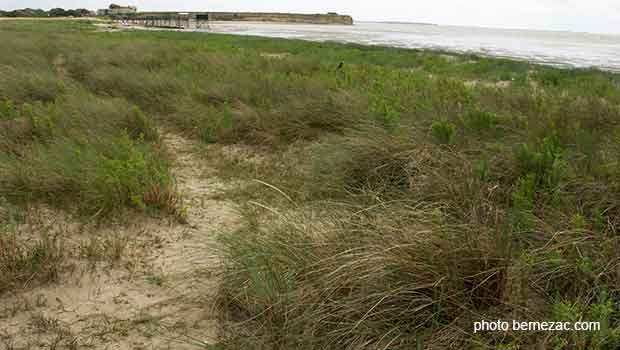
{"x":8,"y":110}
{"x":602,"y":310}
{"x":30,"y":86}
{"x":126,"y":176}
{"x":443,"y":131}
{"x":141,"y":127}
{"x":103,"y":175}
{"x":480,"y":121}
{"x":100,"y":153}
{"x":143,"y":88}
{"x":523,"y":203}
{"x":219,"y":126}
{"x":210,"y":123}
{"x":42,"y":122}
{"x":545,"y":163}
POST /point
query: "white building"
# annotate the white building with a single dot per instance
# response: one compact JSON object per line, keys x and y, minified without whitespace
{"x":116,"y":10}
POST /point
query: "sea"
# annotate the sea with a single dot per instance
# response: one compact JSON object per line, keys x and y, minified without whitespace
{"x":557,"y":48}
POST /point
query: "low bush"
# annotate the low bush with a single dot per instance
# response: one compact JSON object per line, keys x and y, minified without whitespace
{"x":30,"y":86}
{"x":65,"y":153}
{"x":480,"y":121}
{"x":102,"y":175}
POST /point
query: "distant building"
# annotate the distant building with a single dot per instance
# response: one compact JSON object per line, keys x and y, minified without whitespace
{"x":117,"y":10}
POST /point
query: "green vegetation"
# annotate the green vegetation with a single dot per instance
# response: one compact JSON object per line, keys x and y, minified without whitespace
{"x":401,"y":198}
{"x":38,"y":13}
{"x":59,"y":142}
{"x":21,"y":264}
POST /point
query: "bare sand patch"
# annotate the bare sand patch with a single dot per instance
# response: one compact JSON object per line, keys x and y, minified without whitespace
{"x":502,"y":84}
{"x":275,"y":55}
{"x":159,"y":295}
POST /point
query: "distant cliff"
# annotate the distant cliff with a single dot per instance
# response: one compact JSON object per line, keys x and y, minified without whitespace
{"x":330,"y":18}
{"x":197,"y":20}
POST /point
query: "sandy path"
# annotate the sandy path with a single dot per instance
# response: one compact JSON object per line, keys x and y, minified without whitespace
{"x":161,"y":294}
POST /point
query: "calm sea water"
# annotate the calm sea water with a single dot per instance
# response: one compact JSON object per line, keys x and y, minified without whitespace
{"x":566,"y":49}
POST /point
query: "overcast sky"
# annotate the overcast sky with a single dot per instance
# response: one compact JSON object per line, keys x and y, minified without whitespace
{"x":602,"y":16}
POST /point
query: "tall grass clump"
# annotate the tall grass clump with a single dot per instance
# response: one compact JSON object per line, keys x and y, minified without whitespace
{"x":104,"y":153}
{"x":412,"y":230}
{"x":103,"y":174}
{"x":411,"y":244}
{"x":37,"y":85}
{"x":371,"y":161}
{"x":29,"y":263}
{"x":272,"y":110}
{"x":392,"y":276}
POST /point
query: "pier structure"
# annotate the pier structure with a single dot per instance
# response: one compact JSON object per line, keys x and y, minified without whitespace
{"x":167,"y":20}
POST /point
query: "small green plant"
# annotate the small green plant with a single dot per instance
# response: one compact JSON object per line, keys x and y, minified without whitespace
{"x":8,"y":110}
{"x":443,"y":131}
{"x":218,"y":122}
{"x":141,"y":127}
{"x":109,"y":248}
{"x":481,"y":169}
{"x":601,"y":311}
{"x":551,"y":77}
{"x":157,"y":280}
{"x":384,"y":107}
{"x":480,"y":120}
{"x":605,"y":311}
{"x":523,"y":202}
{"x":523,"y":195}
{"x":578,"y":222}
{"x":600,"y":223}
{"x":127,"y":177}
{"x":545,"y":162}
{"x":41,"y":121}
{"x":390,"y":118}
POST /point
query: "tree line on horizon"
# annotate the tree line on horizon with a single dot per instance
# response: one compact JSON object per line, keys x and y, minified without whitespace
{"x":55,"y":12}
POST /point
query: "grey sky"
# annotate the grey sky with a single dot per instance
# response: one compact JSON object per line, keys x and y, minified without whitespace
{"x":601,"y":16}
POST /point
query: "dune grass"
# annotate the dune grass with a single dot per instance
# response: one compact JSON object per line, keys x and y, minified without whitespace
{"x":28,"y":264}
{"x":401,"y":198}
{"x":61,"y":143}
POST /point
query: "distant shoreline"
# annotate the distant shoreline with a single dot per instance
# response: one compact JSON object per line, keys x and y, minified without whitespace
{"x":535,"y":47}
{"x":401,"y":22}
{"x":51,"y":19}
